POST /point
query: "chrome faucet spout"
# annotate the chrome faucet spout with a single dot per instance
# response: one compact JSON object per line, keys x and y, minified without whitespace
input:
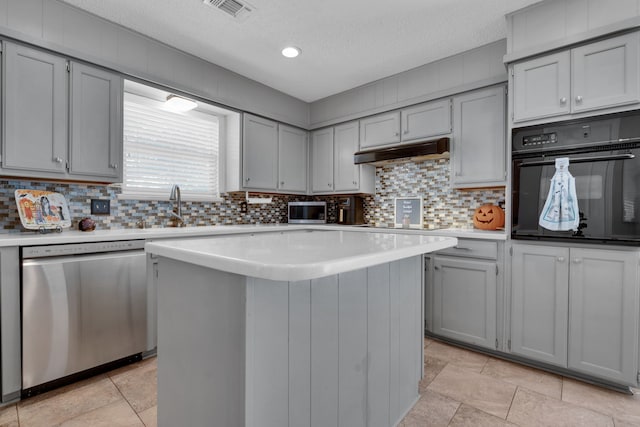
{"x":177,"y":203}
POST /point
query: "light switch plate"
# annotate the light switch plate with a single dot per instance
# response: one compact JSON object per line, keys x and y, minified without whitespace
{"x":100,"y":207}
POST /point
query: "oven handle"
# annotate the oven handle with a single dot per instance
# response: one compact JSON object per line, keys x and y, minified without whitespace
{"x":580,"y":160}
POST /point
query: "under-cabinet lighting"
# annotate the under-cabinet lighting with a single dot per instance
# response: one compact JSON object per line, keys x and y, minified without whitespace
{"x":291,"y":51}
{"x":178,"y":104}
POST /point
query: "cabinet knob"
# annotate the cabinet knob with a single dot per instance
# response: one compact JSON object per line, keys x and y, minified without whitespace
{"x":113,"y":165}
{"x":355,"y":182}
{"x":435,"y":267}
{"x":577,"y":261}
{"x":329,"y":184}
{"x":281,"y":182}
{"x":247,"y":179}
{"x":563,"y":100}
{"x":397,"y":133}
{"x":560,"y":259}
{"x":58,"y":159}
{"x":406,"y":131}
{"x":578,"y":98}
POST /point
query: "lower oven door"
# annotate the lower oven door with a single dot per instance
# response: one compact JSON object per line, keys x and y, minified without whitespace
{"x":608,"y":190}
{"x":79,"y":312}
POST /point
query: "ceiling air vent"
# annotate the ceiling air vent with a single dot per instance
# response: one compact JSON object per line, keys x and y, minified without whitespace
{"x":238,"y":10}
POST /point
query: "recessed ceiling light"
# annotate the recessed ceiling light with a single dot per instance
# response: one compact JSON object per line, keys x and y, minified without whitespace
{"x":291,"y":51}
{"x":179,"y":104}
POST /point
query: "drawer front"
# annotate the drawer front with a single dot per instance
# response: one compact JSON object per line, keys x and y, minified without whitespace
{"x":473,"y":248}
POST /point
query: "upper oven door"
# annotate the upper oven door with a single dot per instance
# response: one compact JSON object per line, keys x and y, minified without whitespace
{"x":608,"y":190}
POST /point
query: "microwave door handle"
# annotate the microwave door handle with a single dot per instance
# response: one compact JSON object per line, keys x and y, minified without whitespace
{"x":580,"y":160}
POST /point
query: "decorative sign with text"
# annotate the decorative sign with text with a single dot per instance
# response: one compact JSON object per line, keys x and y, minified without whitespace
{"x":408,"y":212}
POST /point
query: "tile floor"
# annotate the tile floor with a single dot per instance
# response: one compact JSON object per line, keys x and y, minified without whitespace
{"x":460,"y":388}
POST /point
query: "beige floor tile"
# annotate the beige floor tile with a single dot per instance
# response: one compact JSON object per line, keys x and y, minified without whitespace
{"x":9,"y":416}
{"x":427,"y":341}
{"x":533,"y":379}
{"x":149,"y":417}
{"x":467,"y":416}
{"x":117,"y":414}
{"x":138,"y":384}
{"x":432,"y":367}
{"x":457,"y":356}
{"x":432,"y":409}
{"x":619,"y":423}
{"x":480,"y":391}
{"x":68,"y":402}
{"x":621,"y":406}
{"x":531,"y":409}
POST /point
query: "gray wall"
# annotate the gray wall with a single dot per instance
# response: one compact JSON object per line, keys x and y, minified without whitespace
{"x":55,"y":25}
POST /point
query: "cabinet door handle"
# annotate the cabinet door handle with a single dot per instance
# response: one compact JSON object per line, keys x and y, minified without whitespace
{"x":563,"y":100}
{"x":577,"y":261}
{"x":578,"y":98}
{"x":397,"y":133}
{"x":281,"y":182}
{"x":58,"y":159}
{"x":406,"y":131}
{"x":462,"y":248}
{"x":435,"y":267}
{"x":560,"y":259}
{"x":113,"y":165}
{"x":247,"y":179}
{"x":329,"y":185}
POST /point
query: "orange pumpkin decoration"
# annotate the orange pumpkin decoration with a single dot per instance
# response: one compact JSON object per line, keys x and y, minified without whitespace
{"x":488,"y":217}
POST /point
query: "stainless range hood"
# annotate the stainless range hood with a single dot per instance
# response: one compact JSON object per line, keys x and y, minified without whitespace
{"x":438,"y":148}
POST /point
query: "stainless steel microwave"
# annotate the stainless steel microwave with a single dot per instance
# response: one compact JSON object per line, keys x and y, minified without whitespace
{"x":307,"y":212}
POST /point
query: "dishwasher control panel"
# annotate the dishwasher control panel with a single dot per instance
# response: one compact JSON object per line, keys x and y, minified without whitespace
{"x":81,"y":248}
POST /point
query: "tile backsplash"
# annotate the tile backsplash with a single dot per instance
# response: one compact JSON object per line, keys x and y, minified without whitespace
{"x":443,"y":206}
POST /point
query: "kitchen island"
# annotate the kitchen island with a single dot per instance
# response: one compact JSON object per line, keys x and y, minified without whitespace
{"x":301,"y":328}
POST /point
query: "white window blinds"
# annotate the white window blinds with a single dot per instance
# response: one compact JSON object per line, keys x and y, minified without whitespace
{"x":162,"y":148}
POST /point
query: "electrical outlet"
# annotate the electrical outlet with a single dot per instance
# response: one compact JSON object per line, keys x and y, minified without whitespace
{"x":100,"y":207}
{"x":243,"y":207}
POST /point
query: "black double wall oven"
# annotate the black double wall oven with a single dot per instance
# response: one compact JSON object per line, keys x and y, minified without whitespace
{"x":604,"y":159}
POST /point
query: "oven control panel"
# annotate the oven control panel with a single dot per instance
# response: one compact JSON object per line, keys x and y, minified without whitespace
{"x":81,"y":248}
{"x":541,"y":139}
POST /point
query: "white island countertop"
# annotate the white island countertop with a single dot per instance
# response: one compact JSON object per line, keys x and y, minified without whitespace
{"x":298,"y":254}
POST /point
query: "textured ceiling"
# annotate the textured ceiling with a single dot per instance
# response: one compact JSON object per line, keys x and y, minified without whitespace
{"x":344,"y":43}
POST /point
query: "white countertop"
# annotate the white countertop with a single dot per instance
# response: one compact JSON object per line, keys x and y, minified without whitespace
{"x":75,"y":236}
{"x":299,"y":254}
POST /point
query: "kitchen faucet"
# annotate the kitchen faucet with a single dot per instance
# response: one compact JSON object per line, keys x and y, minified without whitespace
{"x":175,"y":197}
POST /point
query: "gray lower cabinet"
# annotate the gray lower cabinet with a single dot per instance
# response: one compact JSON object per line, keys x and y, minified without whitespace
{"x":603,"y":314}
{"x":61,"y":119}
{"x":577,"y":308}
{"x":461,"y":293}
{"x":539,"y":302}
{"x":478,"y":153}
{"x":259,"y":153}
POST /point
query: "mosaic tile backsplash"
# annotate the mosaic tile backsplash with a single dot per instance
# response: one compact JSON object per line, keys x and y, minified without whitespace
{"x":443,"y":206}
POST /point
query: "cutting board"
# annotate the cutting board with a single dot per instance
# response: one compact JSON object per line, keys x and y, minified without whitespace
{"x":40,"y":209}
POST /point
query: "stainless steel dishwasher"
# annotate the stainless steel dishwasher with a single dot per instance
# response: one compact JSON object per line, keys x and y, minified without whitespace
{"x":83,"y":306}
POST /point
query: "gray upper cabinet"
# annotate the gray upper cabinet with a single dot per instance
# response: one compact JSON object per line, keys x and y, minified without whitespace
{"x":259,"y":153}
{"x":594,"y":76}
{"x":603,"y":314}
{"x":95,"y":144}
{"x":346,"y":175}
{"x":478,"y":154}
{"x":35,"y":109}
{"x":57,"y":129}
{"x":605,"y":73}
{"x":383,"y":129}
{"x":426,"y":120}
{"x":539,"y":303}
{"x":333,"y":170}
{"x":292,"y":159}
{"x":322,"y":161}
{"x":542,"y":87}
